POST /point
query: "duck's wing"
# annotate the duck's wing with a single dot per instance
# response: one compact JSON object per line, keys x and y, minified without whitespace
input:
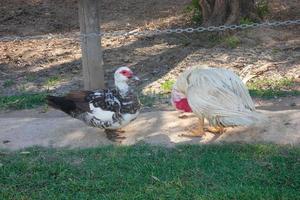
{"x":99,"y":108}
{"x":73,"y":103}
{"x":105,"y":104}
{"x":102,"y":103}
{"x":221,"y":97}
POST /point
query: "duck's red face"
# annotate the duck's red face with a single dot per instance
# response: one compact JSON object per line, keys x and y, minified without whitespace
{"x":180,"y":102}
{"x":127,"y":73}
{"x":124,"y":74}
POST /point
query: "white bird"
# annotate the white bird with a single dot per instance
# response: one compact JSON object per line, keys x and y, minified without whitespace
{"x":216,"y":94}
{"x":108,"y":109}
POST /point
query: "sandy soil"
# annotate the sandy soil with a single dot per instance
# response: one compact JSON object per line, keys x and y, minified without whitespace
{"x":55,"y":129}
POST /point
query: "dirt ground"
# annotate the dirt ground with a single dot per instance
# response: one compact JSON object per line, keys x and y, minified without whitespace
{"x":55,"y":129}
{"x":27,"y":66}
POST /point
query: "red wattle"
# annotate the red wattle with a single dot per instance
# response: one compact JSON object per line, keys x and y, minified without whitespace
{"x":183,"y":105}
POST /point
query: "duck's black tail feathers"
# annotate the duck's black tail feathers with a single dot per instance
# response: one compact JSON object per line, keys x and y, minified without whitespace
{"x":61,"y":103}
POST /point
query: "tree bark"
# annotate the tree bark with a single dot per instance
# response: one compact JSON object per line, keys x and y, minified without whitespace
{"x":92,"y":60}
{"x":218,"y":12}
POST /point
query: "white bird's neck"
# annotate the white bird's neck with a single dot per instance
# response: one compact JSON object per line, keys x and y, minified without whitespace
{"x":122,"y":86}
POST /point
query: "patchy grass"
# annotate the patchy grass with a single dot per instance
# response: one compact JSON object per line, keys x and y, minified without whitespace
{"x":246,"y":21}
{"x":22,"y":101}
{"x":52,"y":81}
{"x":269,"y":93}
{"x":227,"y":41}
{"x":270,"y":88}
{"x":275,"y":51}
{"x":147,"y":100}
{"x":195,"y":10}
{"x":31,"y":77}
{"x":262,"y":8}
{"x":150,"y":100}
{"x":232,"y":171}
{"x":276,"y":84}
{"x":27,"y":101}
{"x":8,"y":83}
{"x":21,"y":88}
{"x":232,"y":41}
{"x":214,"y":39}
{"x":167,"y":86}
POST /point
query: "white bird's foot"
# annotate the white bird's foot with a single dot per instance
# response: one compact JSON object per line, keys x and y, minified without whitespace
{"x":195,"y":131}
{"x":216,"y":130}
{"x":183,"y":116}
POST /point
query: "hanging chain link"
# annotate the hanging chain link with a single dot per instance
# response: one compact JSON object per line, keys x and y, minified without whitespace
{"x":199,"y":29}
{"x":152,"y":32}
{"x":40,"y":37}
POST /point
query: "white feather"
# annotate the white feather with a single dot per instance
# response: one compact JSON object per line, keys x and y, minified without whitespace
{"x":102,"y":115}
{"x":126,"y":119}
{"x":218,"y":95}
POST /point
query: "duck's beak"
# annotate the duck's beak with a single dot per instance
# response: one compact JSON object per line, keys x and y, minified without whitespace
{"x":135,"y":78}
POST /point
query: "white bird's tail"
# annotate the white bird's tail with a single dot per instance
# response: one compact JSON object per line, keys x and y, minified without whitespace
{"x":242,"y":119}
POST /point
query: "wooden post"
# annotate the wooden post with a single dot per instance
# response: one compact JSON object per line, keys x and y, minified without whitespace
{"x":92,"y":60}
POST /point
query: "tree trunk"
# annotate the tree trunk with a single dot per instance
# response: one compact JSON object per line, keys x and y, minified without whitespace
{"x":219,"y":12}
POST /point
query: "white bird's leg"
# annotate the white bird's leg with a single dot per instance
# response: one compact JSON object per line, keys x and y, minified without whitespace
{"x":196,"y":131}
{"x":183,"y":116}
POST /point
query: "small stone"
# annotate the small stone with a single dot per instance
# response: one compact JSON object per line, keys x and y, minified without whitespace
{"x":293,"y":104}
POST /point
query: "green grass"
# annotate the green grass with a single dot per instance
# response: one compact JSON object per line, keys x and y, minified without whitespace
{"x":275,"y":51}
{"x":8,"y":83}
{"x":232,"y":41}
{"x":214,"y":39}
{"x":52,"y":81}
{"x":167,"y":86}
{"x":262,"y":8}
{"x":229,"y":41}
{"x":219,"y":172}
{"x":246,"y":21}
{"x":27,"y":100}
{"x":31,"y":77}
{"x":195,"y":9}
{"x":269,"y":93}
{"x":147,"y":100}
{"x":270,"y":88}
{"x":22,"y":101}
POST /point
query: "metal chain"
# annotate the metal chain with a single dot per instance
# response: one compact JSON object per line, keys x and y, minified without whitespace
{"x":201,"y":29}
{"x":40,"y":37}
{"x":153,"y":32}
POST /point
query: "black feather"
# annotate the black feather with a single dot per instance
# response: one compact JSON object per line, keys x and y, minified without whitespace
{"x":68,"y":106}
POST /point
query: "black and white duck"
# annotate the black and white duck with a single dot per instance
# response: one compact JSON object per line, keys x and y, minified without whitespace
{"x":109,"y":109}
